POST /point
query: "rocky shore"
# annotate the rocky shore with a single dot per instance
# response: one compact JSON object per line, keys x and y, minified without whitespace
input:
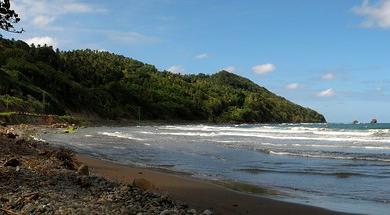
{"x":36,"y":178}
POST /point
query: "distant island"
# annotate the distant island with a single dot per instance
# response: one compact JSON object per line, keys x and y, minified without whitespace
{"x":37,"y":79}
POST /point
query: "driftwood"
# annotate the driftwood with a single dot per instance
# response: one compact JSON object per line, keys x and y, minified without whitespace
{"x":9,"y":212}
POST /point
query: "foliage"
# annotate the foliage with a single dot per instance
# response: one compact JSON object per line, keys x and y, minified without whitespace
{"x":113,"y":86}
{"x":8,"y":17}
{"x":6,"y":113}
{"x":70,"y":130}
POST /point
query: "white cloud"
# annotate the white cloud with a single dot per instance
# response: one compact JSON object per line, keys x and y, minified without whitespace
{"x":293,"y":86}
{"x":202,"y":56}
{"x":328,"y":76}
{"x":43,"y":12}
{"x":41,"y":41}
{"x":77,"y":7}
{"x":375,"y":15}
{"x":230,"y":69}
{"x":42,"y":21}
{"x":177,"y":69}
{"x":263,"y":68}
{"x":326,"y":93}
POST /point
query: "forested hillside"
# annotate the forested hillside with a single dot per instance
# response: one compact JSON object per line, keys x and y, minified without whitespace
{"x":43,"y":80}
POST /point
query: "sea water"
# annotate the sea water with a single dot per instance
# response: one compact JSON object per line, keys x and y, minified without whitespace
{"x":341,"y":167}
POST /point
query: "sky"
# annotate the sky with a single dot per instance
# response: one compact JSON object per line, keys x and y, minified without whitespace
{"x":332,"y":56}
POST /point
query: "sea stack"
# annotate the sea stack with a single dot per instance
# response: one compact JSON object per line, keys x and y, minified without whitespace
{"x":374,"y":121}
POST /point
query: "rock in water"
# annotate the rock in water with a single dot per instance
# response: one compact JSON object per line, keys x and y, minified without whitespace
{"x":83,"y":170}
{"x":355,"y":122}
{"x":374,"y":121}
{"x":143,"y":184}
{"x":12,"y":162}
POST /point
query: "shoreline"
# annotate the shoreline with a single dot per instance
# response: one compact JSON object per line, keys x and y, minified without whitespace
{"x":197,"y":193}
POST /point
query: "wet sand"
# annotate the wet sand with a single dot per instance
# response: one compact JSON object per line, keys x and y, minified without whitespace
{"x":198,"y":193}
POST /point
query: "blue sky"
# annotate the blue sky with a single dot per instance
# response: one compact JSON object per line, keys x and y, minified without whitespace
{"x":332,"y":56}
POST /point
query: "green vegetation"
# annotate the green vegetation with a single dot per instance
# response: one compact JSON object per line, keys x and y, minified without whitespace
{"x":86,"y":82}
{"x":6,"y":113}
{"x":8,"y":17}
{"x":70,"y":130}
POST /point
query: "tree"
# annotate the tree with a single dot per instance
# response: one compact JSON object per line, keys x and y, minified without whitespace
{"x":8,"y":17}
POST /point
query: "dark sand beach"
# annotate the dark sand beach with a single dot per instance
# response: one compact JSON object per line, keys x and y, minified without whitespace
{"x":197,"y":193}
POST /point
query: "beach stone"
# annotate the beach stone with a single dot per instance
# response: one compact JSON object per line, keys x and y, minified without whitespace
{"x":11,"y":135}
{"x":207,"y":212}
{"x":192,"y":211}
{"x":12,"y":162}
{"x":83,"y":170}
{"x":168,"y":212}
{"x":143,"y":184}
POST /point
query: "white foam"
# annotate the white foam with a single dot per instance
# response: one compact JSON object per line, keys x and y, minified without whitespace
{"x":190,"y":134}
{"x":327,"y":156}
{"x":38,"y":139}
{"x":226,"y":141}
{"x":280,"y":130}
{"x":120,"y":135}
{"x":289,"y":137}
{"x":145,"y":132}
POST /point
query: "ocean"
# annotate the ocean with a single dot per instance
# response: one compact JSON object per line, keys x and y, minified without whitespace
{"x":341,"y":167}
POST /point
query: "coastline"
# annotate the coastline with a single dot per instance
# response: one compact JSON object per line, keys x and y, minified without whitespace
{"x":197,"y":193}
{"x":184,"y":189}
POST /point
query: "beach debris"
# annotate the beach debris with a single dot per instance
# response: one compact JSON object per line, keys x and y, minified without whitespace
{"x":83,"y":170}
{"x":13,"y":162}
{"x":192,"y":211}
{"x":374,"y":121}
{"x":66,"y":156}
{"x":143,"y":184}
{"x":84,"y":181}
{"x":169,"y":212}
{"x":6,"y":211}
{"x":206,"y":212}
{"x":65,"y":191}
